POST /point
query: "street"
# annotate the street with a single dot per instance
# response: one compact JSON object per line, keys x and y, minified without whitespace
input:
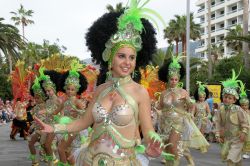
{"x":15,"y":153}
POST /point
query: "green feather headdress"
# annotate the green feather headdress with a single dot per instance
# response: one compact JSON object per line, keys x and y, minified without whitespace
{"x":201,"y":88}
{"x":243,"y":94}
{"x":231,"y":85}
{"x":73,"y":78}
{"x":129,"y":29}
{"x":174,"y":67}
{"x":47,"y":82}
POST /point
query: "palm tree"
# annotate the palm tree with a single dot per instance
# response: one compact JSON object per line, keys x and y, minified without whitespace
{"x":245,"y":32}
{"x":177,"y":30}
{"x":160,"y":56}
{"x":171,"y":32}
{"x":10,"y":42}
{"x":210,"y":65}
{"x":216,"y":52}
{"x":117,"y":8}
{"x":236,"y":45}
{"x":21,"y":17}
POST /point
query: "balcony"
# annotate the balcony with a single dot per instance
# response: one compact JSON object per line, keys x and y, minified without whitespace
{"x":219,"y":29}
{"x":231,"y":25}
{"x":221,"y":2}
{"x":222,"y":15}
{"x":232,"y":11}
{"x":201,"y":10}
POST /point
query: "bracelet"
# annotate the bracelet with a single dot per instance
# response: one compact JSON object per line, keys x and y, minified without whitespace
{"x":244,"y":130}
{"x":60,"y":129}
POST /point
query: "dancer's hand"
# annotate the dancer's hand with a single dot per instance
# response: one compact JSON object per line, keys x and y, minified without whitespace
{"x":219,"y":140}
{"x":154,"y":149}
{"x":242,"y":137}
{"x":44,"y":127}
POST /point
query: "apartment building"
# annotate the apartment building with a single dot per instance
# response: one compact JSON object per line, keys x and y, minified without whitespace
{"x":225,"y":14}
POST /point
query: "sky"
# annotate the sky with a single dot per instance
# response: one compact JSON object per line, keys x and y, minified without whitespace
{"x":69,"y":20}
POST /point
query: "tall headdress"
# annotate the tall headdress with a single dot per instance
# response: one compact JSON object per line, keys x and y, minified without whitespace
{"x":201,"y":91}
{"x":231,"y":85}
{"x":37,"y":90}
{"x":243,"y":94}
{"x":75,"y":78}
{"x":47,"y":82}
{"x":173,"y":67}
{"x":115,"y":30}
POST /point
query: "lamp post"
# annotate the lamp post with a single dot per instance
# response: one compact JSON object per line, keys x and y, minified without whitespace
{"x":188,"y":46}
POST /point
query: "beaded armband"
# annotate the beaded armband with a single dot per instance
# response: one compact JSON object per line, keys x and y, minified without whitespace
{"x":60,"y":129}
{"x":244,"y":130}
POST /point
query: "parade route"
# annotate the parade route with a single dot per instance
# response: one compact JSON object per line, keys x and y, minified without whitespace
{"x":15,"y":153}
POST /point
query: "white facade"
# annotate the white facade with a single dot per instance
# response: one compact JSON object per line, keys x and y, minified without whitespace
{"x":225,"y":14}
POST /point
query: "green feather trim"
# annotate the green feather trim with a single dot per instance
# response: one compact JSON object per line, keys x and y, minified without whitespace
{"x":75,"y":66}
{"x":134,"y":14}
{"x":83,"y":139}
{"x":65,"y":120}
{"x":202,"y":87}
{"x":232,"y":82}
{"x":140,"y":149}
{"x":168,"y":156}
{"x":42,"y":75}
{"x":243,"y":91}
{"x":36,"y":85}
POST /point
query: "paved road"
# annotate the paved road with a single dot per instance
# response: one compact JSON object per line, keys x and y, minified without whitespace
{"x":14,"y":153}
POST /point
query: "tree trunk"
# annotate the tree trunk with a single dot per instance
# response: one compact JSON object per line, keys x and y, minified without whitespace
{"x":183,"y":40}
{"x":177,"y":47}
{"x":10,"y":62}
{"x":245,"y":32}
{"x":210,"y":63}
{"x":23,"y":31}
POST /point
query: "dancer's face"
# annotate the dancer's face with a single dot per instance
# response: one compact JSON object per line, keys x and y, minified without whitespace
{"x":71,"y":90}
{"x":245,"y":106}
{"x":202,"y":98}
{"x":173,"y":81}
{"x":50,"y":92}
{"x":124,"y":62}
{"x":228,"y":99}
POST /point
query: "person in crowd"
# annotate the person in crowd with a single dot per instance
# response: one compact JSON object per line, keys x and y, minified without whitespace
{"x":231,"y":123}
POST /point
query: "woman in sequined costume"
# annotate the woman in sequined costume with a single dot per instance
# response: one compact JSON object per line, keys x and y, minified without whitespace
{"x":50,"y":83}
{"x":39,"y":111}
{"x":120,"y":104}
{"x":202,"y":110}
{"x":176,"y":124}
{"x":73,"y":108}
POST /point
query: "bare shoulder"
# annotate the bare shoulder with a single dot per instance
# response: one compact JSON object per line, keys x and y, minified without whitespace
{"x":139,"y":92}
{"x":101,"y":87}
{"x":184,"y":92}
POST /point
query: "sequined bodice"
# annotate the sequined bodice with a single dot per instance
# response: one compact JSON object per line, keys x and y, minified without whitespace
{"x":201,"y":109}
{"x":70,"y":109}
{"x":50,"y":107}
{"x":120,"y":115}
{"x":38,"y":111}
{"x":172,"y":100}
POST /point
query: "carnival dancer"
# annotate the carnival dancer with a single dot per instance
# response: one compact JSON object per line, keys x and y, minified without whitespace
{"x":202,"y":111}
{"x":244,"y":104}
{"x":38,"y":111}
{"x":120,"y":105}
{"x":231,"y":123}
{"x":176,"y":125}
{"x":73,"y":83}
{"x":50,"y":83}
{"x":19,"y":122}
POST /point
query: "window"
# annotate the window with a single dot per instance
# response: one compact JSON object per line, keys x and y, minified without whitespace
{"x":222,"y":25}
{"x":213,"y":28}
{"x":213,"y":40}
{"x":234,"y":22}
{"x":213,"y":3}
{"x":234,"y":8}
{"x":221,"y":37}
{"x":222,"y":12}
